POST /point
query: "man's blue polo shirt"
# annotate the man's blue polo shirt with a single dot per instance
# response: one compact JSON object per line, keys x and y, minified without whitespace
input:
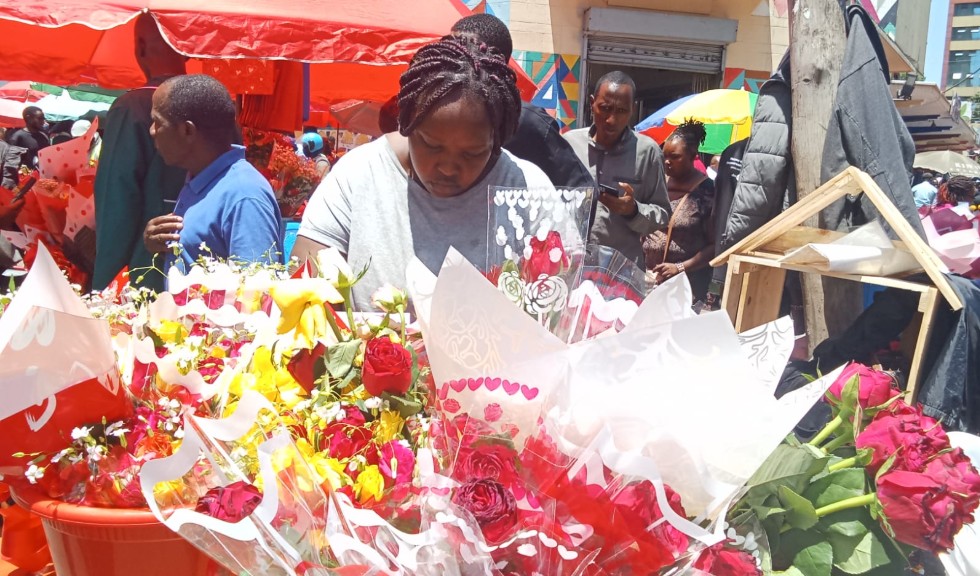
{"x":230,"y":208}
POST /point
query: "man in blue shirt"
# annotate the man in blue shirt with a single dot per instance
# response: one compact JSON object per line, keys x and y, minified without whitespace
{"x":227,"y":208}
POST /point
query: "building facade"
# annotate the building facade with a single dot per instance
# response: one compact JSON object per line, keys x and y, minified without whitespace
{"x":670,"y":48}
{"x":961,"y":69}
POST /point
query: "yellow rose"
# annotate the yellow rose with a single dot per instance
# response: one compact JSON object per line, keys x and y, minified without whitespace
{"x":171,"y":332}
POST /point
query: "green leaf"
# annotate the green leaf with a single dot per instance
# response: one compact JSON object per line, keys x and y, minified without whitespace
{"x":787,"y":466}
{"x":791,"y":544}
{"x":857,"y":555}
{"x":339,"y":358}
{"x":852,"y":523}
{"x":791,"y":571}
{"x":836,"y":486}
{"x":763,"y":512}
{"x":800,"y":512}
{"x":403,"y":406}
{"x":816,"y":559}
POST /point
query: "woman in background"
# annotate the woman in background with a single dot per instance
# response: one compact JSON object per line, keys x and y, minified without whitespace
{"x":687,"y":245}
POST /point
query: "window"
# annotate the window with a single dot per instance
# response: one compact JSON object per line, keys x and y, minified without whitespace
{"x":966,"y":33}
{"x":970,"y":9}
{"x":963,"y":63}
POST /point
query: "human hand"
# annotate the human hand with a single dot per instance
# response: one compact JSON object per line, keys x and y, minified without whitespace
{"x":623,"y":205}
{"x":9,"y":213}
{"x":666,"y":271}
{"x":161,"y":231}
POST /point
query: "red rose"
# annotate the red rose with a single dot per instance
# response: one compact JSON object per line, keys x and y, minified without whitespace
{"x":486,"y":462}
{"x":387,"y":367}
{"x":230,"y":503}
{"x":638,"y":503}
{"x":874,"y":388}
{"x":719,"y":560}
{"x":492,"y":505}
{"x":548,"y":257}
{"x":960,"y":476}
{"x":904,"y":431}
{"x":923,"y":509}
{"x":346,"y":437}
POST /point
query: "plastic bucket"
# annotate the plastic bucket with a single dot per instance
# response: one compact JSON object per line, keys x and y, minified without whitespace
{"x":292,"y":227}
{"x":88,"y":541}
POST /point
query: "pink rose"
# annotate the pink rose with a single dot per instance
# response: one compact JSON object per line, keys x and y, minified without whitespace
{"x":874,"y":387}
{"x":230,"y":503}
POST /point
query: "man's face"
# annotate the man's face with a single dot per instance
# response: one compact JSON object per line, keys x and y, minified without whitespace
{"x":167,"y":136}
{"x":612,"y":107}
{"x":35,"y":121}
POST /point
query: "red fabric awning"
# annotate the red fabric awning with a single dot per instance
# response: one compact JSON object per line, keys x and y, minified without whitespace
{"x":358,"y":48}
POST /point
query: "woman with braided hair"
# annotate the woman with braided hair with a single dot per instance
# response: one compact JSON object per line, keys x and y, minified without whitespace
{"x":687,"y":244}
{"x":955,"y":190}
{"x":424,"y":189}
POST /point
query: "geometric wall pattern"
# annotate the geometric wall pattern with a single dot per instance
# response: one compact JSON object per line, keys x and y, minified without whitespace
{"x":499,"y":8}
{"x":748,"y":80}
{"x":556,"y":78}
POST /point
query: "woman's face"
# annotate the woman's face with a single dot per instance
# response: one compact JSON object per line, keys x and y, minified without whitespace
{"x":678,"y":163}
{"x":450,"y":149}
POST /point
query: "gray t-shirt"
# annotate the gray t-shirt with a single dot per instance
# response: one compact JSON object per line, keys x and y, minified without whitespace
{"x":368,"y":208}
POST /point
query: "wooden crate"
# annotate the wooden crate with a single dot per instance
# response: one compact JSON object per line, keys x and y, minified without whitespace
{"x":755,"y":277}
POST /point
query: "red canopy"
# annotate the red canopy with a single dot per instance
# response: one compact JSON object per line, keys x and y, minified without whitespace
{"x":358,"y":48}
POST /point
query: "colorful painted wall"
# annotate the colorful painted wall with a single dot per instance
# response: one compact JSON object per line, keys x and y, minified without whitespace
{"x":545,"y":31}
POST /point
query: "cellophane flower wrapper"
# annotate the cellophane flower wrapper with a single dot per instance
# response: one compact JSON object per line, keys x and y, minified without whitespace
{"x":605,"y":296}
{"x":59,"y":370}
{"x":293,"y":527}
{"x":655,"y":403}
{"x":536,"y":246}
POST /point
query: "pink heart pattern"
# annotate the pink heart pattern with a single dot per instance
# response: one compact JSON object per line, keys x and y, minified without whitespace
{"x":491,"y":384}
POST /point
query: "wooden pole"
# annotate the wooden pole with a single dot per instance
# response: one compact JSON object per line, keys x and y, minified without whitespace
{"x":816,"y":40}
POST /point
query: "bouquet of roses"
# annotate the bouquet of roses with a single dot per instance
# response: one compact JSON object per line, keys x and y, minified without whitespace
{"x":879,"y":481}
{"x":566,"y":455}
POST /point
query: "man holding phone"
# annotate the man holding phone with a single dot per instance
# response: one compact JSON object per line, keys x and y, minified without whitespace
{"x":628,"y":167}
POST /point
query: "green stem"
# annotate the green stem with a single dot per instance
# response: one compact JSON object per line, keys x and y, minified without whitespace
{"x":845,"y":463}
{"x":349,"y":306}
{"x":401,"y":323}
{"x":836,"y":443}
{"x":333,"y":325}
{"x":827,"y":431}
{"x":846,"y":504}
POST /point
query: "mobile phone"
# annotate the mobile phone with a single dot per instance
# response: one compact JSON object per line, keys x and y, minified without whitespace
{"x":618,"y":192}
{"x":28,"y":184}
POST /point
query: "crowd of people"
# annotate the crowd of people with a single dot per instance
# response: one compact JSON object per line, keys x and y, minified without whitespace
{"x":172,"y":173}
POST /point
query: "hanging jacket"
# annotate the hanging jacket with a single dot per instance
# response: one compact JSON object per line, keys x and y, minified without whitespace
{"x":867,"y":132}
{"x":767,"y":164}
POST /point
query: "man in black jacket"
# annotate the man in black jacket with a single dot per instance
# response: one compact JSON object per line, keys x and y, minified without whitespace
{"x":31,"y":137}
{"x":538,"y":139}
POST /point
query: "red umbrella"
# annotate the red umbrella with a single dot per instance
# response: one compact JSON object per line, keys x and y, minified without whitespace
{"x":358,"y":48}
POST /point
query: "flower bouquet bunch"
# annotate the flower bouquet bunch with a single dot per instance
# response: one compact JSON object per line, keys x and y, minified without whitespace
{"x":59,"y":209}
{"x":879,"y":481}
{"x":539,"y":260}
{"x":293,"y":177}
{"x":588,"y":458}
{"x":536,"y":244}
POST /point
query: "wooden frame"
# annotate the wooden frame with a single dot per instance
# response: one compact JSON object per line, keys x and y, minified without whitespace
{"x":755,"y":276}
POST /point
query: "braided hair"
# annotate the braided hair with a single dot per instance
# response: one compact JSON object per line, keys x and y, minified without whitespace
{"x":692,"y":133}
{"x":957,"y":189}
{"x":455,"y":66}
